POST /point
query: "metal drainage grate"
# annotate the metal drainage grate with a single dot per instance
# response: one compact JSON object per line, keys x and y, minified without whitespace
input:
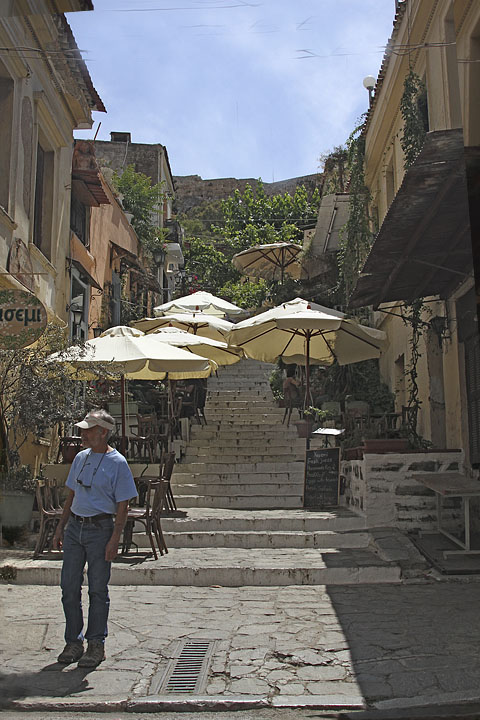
{"x":187,"y":672}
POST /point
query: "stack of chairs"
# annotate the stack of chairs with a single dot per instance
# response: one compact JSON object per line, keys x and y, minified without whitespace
{"x":50,"y":509}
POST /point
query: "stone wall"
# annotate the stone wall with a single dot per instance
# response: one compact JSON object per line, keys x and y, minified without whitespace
{"x":381,"y":487}
{"x":144,"y":157}
{"x":192,"y":190}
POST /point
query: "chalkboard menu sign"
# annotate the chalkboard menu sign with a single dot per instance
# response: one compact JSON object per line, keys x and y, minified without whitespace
{"x":322,"y":477}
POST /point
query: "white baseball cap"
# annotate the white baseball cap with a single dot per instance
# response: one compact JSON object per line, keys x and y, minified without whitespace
{"x":90,"y":420}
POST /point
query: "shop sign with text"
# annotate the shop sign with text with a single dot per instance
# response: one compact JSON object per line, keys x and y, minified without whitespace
{"x":23,"y":319}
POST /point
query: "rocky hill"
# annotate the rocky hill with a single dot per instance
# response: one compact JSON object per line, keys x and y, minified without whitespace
{"x":192,"y":190}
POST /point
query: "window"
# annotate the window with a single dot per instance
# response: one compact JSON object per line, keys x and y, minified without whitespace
{"x":116,"y":298}
{"x":6,"y":124}
{"x":42,"y":221}
{"x":80,"y":294}
{"x":389,"y":183}
{"x":400,"y":390}
{"x":80,"y":220}
{"x":468,"y":334}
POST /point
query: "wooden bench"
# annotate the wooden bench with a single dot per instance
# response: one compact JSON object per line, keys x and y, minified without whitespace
{"x":452,"y":485}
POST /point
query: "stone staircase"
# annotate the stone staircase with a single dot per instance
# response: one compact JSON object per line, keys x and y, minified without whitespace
{"x":244,"y":458}
{"x":240,"y":487}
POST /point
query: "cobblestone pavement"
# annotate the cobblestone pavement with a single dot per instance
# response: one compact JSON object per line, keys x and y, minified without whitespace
{"x":304,"y":646}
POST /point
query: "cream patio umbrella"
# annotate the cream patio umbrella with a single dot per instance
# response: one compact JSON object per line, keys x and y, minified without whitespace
{"x":200,"y":301}
{"x":200,"y":324}
{"x":272,"y":261}
{"x":302,"y":329}
{"x":219,"y":352}
{"x":134,"y":355}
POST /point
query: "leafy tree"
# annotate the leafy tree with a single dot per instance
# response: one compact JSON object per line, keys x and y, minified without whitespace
{"x":35,"y":394}
{"x":235,"y":224}
{"x":413,"y":107}
{"x":142,"y":200}
{"x":356,"y":237}
{"x":335,"y":170}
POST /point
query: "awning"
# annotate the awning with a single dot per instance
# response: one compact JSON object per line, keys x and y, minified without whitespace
{"x":423,"y":247}
{"x":86,"y":182}
{"x":83,"y":260}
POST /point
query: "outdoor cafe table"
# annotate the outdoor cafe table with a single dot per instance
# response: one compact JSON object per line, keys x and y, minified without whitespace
{"x":452,"y":485}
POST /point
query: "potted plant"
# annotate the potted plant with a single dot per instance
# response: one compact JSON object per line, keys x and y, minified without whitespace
{"x":17,"y":492}
{"x":313,"y":416}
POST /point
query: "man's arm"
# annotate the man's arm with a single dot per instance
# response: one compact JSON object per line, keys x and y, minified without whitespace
{"x":111,"y":548}
{"x":58,"y":537}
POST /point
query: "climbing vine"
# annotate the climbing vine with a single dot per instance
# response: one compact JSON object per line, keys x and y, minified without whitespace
{"x":413,"y":107}
{"x":413,"y":316}
{"x":356,"y":236}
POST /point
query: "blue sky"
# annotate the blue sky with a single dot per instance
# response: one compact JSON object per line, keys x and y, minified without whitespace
{"x":234,"y":88}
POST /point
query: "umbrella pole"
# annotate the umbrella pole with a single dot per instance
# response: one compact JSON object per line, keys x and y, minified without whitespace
{"x":123,"y":441}
{"x":170,"y":416}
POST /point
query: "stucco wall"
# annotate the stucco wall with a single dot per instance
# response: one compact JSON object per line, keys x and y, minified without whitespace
{"x":381,"y":487}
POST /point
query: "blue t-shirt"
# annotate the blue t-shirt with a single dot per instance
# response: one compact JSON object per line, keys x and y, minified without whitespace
{"x":99,"y":481}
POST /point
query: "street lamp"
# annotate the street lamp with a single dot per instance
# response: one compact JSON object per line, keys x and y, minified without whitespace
{"x":76,"y":311}
{"x":369,"y":84}
{"x":158,"y":256}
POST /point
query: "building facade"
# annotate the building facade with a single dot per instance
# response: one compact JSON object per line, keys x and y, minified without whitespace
{"x":151,"y":160}
{"x":423,"y":247}
{"x":45,"y":94}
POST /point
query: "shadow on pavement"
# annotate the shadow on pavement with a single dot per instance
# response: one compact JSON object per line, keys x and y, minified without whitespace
{"x":416,"y":643}
{"x":53,"y":680}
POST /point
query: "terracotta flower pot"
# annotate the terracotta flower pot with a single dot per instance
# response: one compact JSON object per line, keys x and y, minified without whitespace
{"x":304,"y":428}
{"x":381,"y":445}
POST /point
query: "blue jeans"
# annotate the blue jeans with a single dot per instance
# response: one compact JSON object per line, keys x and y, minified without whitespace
{"x":85,"y":543}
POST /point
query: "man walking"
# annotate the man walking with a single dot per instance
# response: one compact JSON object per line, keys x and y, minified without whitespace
{"x":100,"y":484}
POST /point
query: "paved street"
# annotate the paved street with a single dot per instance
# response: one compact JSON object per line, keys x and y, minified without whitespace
{"x":335,"y":647}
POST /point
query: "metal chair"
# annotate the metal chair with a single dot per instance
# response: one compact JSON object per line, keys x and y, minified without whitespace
{"x":148,"y":516}
{"x":357,"y":415}
{"x":144,"y":442}
{"x":166,"y":475}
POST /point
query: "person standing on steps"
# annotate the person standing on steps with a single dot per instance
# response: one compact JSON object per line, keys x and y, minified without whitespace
{"x":100,"y":485}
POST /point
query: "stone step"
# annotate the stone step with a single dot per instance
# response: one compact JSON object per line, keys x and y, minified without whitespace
{"x":272,"y":442}
{"x":238,"y":401}
{"x":236,"y":568}
{"x":237,"y":479}
{"x":234,"y":393}
{"x":248,"y":412}
{"x":256,"y":420}
{"x":236,"y":502}
{"x":285,"y":486}
{"x":245,"y":430}
{"x":249,"y":539}
{"x":339,"y":519}
{"x":225,"y":458}
{"x":214,"y":469}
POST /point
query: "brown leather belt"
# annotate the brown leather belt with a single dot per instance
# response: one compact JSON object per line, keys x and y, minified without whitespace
{"x":90,"y":520}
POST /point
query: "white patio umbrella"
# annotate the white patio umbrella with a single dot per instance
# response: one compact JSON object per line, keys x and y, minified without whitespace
{"x":301,"y":329}
{"x":220,"y":352}
{"x":201,"y":324}
{"x":272,"y":261}
{"x":134,"y":356}
{"x":200,"y":301}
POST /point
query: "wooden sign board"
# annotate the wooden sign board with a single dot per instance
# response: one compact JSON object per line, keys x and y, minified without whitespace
{"x":322,"y":477}
{"x":23,"y":319}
